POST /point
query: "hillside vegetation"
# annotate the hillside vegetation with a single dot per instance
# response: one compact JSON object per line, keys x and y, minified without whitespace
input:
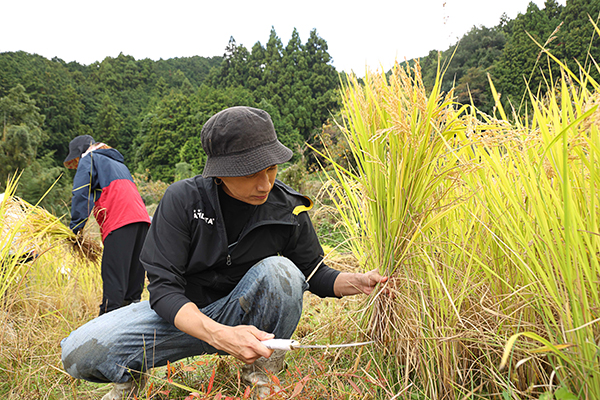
{"x":153,"y":111}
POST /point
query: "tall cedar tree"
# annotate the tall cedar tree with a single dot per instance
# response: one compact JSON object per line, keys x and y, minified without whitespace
{"x":297,"y":80}
{"x":577,"y":39}
{"x":109,"y":124}
{"x":522,"y":63}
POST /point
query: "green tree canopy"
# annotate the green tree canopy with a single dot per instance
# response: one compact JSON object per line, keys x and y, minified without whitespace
{"x":21,"y":132}
{"x":297,"y":81}
{"x":108,"y":124}
{"x":171,"y":131}
{"x":519,"y":65}
{"x":576,"y":39}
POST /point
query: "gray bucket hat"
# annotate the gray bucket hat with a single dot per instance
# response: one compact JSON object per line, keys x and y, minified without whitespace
{"x":240,"y":141}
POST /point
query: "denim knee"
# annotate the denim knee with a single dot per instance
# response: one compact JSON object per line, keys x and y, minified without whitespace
{"x":282,"y":273}
{"x":105,"y":348}
{"x":273,"y":301}
{"x":82,"y":356}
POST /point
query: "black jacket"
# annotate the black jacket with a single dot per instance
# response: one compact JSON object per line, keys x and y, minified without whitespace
{"x":187,"y":257}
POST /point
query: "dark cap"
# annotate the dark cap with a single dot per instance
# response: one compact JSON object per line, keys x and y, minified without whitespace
{"x":77,"y":147}
{"x":241,"y":141}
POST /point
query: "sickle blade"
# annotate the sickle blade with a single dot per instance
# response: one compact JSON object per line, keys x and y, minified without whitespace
{"x":329,"y":346}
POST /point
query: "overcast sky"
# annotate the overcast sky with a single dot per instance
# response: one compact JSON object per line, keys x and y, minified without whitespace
{"x":370,"y":33}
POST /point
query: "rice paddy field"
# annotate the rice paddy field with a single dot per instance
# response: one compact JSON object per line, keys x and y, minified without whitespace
{"x":487,"y":225}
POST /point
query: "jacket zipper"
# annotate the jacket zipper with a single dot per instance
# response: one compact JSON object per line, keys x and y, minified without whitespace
{"x":244,"y":232}
{"x":229,"y":251}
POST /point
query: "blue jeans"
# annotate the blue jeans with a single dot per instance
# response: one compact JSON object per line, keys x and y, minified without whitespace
{"x":134,"y":337}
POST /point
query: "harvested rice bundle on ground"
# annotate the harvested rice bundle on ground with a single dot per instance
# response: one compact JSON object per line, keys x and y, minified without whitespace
{"x":36,"y":230}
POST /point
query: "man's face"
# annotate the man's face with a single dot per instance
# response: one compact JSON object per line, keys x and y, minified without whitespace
{"x":252,"y":189}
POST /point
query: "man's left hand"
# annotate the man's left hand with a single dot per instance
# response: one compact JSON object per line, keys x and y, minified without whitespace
{"x":348,"y":284}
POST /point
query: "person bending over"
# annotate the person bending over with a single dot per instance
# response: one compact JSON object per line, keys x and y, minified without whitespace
{"x":103,"y":185}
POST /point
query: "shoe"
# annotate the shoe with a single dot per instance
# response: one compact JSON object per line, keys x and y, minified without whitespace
{"x":257,"y":374}
{"x":126,"y":390}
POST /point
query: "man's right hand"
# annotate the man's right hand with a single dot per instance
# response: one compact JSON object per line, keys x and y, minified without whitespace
{"x":242,"y":341}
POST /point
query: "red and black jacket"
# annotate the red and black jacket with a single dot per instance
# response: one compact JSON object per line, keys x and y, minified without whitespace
{"x":187,"y":257}
{"x":104,"y":184}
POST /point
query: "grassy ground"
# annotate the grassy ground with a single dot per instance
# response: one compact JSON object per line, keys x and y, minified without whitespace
{"x":31,"y":367}
{"x":58,"y":292}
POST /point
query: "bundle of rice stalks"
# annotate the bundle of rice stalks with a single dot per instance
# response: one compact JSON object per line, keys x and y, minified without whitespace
{"x":401,"y":137}
{"x":84,"y":245}
{"x":37,"y":230}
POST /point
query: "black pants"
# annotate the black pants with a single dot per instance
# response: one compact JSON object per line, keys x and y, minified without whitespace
{"x":122,"y":273}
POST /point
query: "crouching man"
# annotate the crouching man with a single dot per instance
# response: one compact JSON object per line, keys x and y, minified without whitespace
{"x":228,"y":255}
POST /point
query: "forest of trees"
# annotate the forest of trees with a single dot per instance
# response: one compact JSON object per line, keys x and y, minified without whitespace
{"x":153,"y":111}
{"x":509,"y":55}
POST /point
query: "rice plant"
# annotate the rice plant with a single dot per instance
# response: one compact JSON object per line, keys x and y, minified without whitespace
{"x":49,"y":284}
{"x":551,"y":237}
{"x":488,"y":229}
{"x":404,"y":143}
